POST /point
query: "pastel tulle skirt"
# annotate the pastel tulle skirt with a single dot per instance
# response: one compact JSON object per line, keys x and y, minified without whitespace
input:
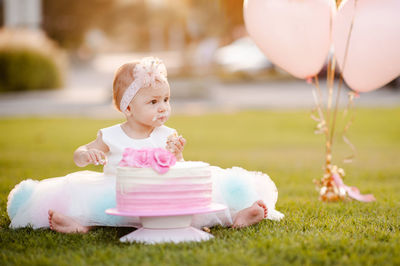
{"x":85,"y":196}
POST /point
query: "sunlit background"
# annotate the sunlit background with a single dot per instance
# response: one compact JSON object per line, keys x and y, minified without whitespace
{"x":188,"y":34}
{"x":62,"y":54}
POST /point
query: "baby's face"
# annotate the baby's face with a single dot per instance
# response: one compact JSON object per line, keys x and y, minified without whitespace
{"x":150,"y":106}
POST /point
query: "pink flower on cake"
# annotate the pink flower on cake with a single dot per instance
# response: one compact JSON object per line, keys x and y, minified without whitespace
{"x":162,"y":160}
{"x":142,"y":158}
{"x":157,"y":158}
{"x":136,"y":158}
{"x":127,"y":157}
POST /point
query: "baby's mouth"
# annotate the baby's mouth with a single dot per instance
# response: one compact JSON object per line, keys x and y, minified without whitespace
{"x":161,"y":117}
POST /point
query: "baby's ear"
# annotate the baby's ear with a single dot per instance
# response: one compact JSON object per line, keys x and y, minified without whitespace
{"x":128,"y":111}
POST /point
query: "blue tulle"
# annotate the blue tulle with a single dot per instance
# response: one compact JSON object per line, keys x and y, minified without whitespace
{"x":237,"y":192}
{"x":100,"y":205}
{"x":19,"y":196}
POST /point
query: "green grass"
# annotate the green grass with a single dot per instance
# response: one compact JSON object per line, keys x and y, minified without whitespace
{"x":281,"y":144}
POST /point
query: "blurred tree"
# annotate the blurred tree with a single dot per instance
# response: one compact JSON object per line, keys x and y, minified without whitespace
{"x":67,"y":21}
{"x":205,"y":19}
{"x":1,"y":13}
{"x":126,"y":23}
{"x":233,"y":11}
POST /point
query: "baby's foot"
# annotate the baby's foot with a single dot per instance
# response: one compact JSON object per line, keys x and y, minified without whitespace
{"x":64,"y":224}
{"x":252,"y":215}
{"x":262,"y":204}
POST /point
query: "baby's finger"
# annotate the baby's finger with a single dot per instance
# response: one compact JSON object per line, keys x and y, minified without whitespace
{"x":92,"y":157}
{"x":98,"y":157}
{"x":170,"y":148}
{"x":171,"y":145}
{"x":172,"y":137}
{"x":103,"y":158}
{"x":86,"y":157}
{"x":178,"y":146}
{"x":182,"y":140}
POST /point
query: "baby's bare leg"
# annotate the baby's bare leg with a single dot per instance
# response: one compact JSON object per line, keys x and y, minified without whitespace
{"x":252,"y":215}
{"x":64,"y":224}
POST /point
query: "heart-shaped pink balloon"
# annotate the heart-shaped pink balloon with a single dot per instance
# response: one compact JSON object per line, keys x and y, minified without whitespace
{"x":293,"y":34}
{"x":373,"y":56}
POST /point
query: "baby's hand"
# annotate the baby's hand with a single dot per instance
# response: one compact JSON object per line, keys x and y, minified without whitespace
{"x":175,"y":145}
{"x":94,"y":156}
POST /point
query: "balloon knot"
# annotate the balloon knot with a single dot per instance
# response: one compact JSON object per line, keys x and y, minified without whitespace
{"x":355,"y":94}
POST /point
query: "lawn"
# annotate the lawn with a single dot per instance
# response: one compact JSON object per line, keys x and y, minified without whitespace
{"x":280,"y":143}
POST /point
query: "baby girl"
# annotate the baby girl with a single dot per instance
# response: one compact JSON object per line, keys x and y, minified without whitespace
{"x":77,"y":202}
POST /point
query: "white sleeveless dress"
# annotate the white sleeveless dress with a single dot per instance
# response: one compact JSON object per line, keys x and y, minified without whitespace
{"x":85,"y":195}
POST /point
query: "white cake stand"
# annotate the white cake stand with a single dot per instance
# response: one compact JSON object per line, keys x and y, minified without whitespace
{"x":166,"y":226}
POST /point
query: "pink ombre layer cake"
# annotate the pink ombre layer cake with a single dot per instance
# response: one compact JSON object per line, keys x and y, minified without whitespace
{"x":186,"y":186}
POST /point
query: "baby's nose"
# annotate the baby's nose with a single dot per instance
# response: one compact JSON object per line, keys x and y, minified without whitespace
{"x":163,"y":107}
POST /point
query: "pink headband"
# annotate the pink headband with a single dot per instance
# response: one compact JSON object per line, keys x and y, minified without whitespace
{"x":146,"y":73}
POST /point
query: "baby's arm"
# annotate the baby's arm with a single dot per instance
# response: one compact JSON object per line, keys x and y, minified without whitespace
{"x":175,"y":144}
{"x":93,"y":152}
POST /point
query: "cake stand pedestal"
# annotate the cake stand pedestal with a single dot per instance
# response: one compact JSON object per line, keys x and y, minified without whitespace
{"x":167,"y":227}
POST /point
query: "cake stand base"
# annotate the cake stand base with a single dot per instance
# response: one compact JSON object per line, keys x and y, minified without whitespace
{"x":176,"y":235}
{"x":163,"y":229}
{"x":166,"y":226}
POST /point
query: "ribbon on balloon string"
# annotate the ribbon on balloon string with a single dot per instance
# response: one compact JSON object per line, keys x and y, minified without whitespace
{"x":318,"y":109}
{"x":349,"y":108}
{"x":352,"y":192}
{"x":337,"y":173}
{"x":321,"y":126}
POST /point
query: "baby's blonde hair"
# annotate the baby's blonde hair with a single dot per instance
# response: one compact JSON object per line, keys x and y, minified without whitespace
{"x":122,"y":79}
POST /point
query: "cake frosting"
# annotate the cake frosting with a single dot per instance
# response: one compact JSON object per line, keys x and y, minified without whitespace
{"x":185,"y":186}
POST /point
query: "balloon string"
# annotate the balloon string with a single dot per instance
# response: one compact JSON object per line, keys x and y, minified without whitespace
{"x":321,"y":126}
{"x":321,"y":104}
{"x":349,"y":37}
{"x":350,"y":108}
{"x":336,"y":105}
{"x":330,"y":121}
{"x":341,"y":76}
{"x":317,"y":110}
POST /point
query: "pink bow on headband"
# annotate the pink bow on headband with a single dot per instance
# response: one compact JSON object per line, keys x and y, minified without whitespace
{"x":146,"y":74}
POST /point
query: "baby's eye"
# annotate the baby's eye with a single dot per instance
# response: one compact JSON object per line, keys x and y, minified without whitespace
{"x":153,"y":102}
{"x":166,"y":99}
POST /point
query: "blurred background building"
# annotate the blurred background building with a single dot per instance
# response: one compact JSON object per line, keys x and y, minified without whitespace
{"x":22,"y":13}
